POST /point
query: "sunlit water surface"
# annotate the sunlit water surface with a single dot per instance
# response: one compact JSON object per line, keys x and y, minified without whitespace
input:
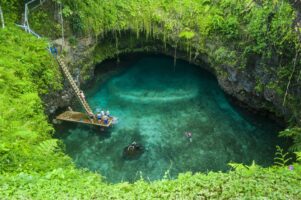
{"x":156,"y":103}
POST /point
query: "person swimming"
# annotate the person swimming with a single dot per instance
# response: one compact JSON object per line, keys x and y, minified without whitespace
{"x":132,"y":146}
{"x":133,"y":151}
{"x":189,"y":136}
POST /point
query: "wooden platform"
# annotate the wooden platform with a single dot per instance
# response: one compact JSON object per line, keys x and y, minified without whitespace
{"x":79,"y":117}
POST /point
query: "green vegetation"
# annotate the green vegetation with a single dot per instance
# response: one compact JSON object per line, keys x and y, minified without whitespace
{"x":27,"y":70}
{"x":245,"y":182}
{"x":294,"y":133}
{"x":229,"y":32}
{"x":281,"y":159}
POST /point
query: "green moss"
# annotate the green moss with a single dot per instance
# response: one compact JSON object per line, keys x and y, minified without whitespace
{"x":259,"y":87}
{"x":275,"y":87}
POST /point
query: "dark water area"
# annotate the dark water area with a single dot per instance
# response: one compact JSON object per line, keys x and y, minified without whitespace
{"x":156,"y":103}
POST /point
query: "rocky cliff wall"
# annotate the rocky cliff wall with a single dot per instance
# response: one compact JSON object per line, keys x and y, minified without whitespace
{"x":250,"y":85}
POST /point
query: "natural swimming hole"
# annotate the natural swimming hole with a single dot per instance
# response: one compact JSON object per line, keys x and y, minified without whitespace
{"x":156,"y":103}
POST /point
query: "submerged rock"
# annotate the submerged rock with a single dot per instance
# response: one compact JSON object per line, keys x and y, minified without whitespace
{"x":133,"y":151}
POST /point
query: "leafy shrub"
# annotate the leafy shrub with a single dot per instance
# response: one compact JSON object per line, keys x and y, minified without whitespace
{"x":294,"y":133}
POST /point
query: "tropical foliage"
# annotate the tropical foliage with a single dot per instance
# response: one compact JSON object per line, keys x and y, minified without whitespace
{"x":27,"y":70}
{"x":295,"y":134}
{"x":281,"y":158}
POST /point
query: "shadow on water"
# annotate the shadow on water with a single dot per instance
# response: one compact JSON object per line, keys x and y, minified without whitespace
{"x":156,"y":104}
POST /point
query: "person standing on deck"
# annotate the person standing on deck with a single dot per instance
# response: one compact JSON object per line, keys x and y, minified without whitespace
{"x":103,"y":113}
{"x":108,"y":113}
{"x":105,"y":119}
{"x":98,"y":115}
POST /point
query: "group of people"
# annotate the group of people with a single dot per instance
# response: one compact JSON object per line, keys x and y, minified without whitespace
{"x":100,"y":116}
{"x":103,"y":116}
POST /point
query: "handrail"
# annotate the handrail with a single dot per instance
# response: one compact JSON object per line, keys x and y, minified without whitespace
{"x":25,"y":24}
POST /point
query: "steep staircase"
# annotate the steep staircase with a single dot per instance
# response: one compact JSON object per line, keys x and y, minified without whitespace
{"x":74,"y":86}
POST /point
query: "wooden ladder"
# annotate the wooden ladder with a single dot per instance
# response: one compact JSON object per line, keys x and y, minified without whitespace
{"x":74,"y":86}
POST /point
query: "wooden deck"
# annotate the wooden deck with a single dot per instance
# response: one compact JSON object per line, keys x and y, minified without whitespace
{"x":79,"y":117}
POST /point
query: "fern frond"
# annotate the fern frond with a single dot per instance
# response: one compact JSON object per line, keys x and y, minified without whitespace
{"x":287,"y":160}
{"x":237,"y":166}
{"x":280,"y":159}
{"x":286,"y":154}
{"x":278,"y":153}
{"x":279,"y":164}
{"x":47,"y":147}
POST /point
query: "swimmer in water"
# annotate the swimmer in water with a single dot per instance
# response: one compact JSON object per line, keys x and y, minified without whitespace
{"x":132,"y":146}
{"x":189,"y":136}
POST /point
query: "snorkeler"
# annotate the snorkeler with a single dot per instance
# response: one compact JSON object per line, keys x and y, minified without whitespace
{"x":132,"y":146}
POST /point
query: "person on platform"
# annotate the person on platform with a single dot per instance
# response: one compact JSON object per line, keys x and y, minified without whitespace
{"x":105,"y":119}
{"x":108,"y":113}
{"x":98,"y":116}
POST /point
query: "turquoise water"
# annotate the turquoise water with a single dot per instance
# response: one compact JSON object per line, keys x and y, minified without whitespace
{"x":156,"y":103}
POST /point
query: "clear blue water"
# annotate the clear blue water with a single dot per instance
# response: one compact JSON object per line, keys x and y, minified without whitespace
{"x":156,"y":103}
